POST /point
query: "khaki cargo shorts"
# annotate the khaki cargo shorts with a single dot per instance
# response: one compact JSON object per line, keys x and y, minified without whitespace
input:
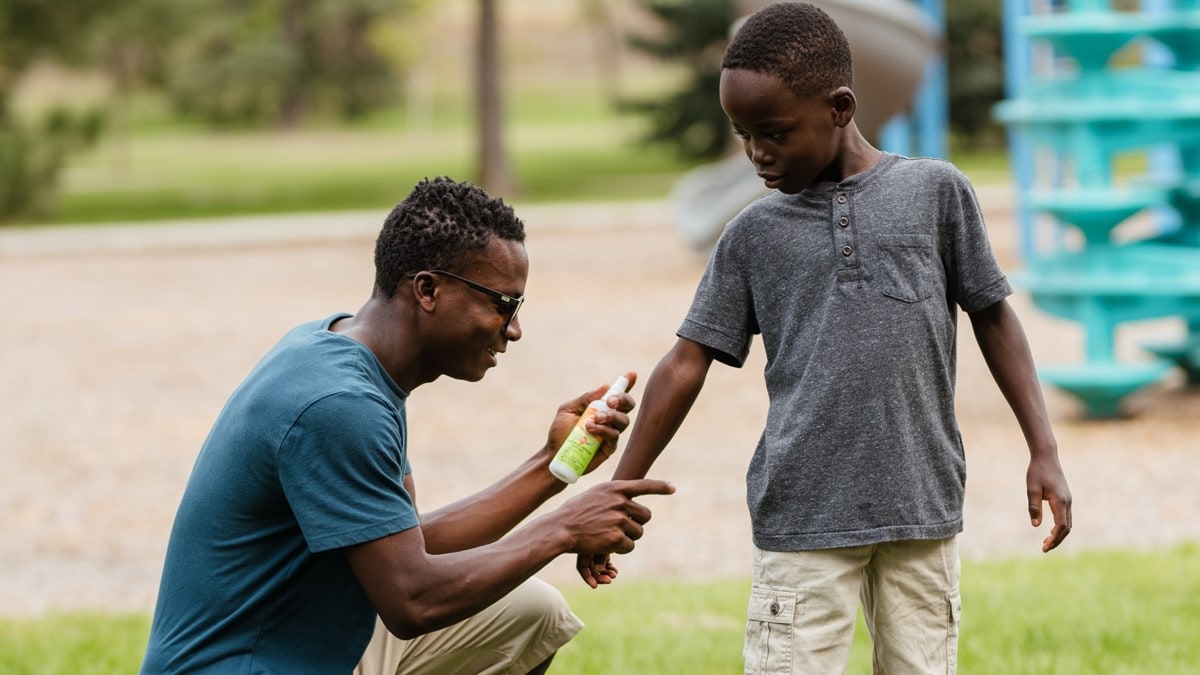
{"x":513,"y":635}
{"x":804,"y":604}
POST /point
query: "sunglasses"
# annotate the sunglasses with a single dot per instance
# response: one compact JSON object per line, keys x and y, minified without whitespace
{"x":509,"y":305}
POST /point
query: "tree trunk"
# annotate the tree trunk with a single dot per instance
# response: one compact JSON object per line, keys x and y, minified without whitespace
{"x":493,"y":173}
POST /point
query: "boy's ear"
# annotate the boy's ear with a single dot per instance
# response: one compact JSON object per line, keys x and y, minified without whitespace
{"x":844,"y":105}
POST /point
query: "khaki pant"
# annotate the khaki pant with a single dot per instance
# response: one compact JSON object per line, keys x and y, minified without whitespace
{"x":513,"y":635}
{"x":803,"y":607}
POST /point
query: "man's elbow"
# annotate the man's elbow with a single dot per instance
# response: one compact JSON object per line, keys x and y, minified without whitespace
{"x":408,"y":623}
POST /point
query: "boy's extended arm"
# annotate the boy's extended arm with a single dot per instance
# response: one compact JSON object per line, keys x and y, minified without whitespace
{"x":1006,"y":351}
{"x":669,"y":395}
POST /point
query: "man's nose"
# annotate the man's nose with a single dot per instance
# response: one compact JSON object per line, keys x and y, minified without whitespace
{"x":512,"y":332}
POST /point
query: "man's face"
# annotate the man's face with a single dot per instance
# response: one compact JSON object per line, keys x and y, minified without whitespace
{"x":477,"y":327}
{"x":791,"y":141}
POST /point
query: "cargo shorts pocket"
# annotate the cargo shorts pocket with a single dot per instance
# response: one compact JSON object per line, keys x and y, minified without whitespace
{"x":954,"y":600}
{"x":906,"y":266}
{"x":768,"y":646}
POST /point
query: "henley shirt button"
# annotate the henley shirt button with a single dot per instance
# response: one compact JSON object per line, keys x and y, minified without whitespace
{"x":846,"y":250}
{"x":841,"y":199}
{"x":843,"y":221}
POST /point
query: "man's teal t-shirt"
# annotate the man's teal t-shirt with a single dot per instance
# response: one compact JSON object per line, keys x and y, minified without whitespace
{"x":308,"y":456}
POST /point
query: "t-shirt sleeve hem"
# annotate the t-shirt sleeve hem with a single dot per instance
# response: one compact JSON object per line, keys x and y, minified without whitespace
{"x":362,"y":535}
{"x":987,"y":296}
{"x":728,"y":350}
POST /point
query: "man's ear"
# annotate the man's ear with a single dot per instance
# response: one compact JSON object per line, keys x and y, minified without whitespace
{"x":425,"y":291}
{"x":844,"y":105}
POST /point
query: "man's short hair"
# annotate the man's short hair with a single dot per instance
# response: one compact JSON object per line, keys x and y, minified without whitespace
{"x":795,"y":42}
{"x":436,"y":226}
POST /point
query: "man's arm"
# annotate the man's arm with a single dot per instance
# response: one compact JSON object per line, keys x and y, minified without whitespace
{"x":486,"y":516}
{"x":416,"y":592}
{"x":1006,"y":351}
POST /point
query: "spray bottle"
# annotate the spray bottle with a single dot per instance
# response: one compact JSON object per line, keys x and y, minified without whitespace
{"x":580,"y":446}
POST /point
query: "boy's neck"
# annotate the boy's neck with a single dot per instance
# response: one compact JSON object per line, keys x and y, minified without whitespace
{"x":856,"y":156}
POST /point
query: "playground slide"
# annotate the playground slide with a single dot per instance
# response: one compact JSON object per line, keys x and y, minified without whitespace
{"x":891,"y":42}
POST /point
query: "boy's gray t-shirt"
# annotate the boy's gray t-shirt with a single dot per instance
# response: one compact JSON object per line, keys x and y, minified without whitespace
{"x":853,"y":287}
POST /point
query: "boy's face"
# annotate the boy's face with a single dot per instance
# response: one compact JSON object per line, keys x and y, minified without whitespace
{"x":791,"y":141}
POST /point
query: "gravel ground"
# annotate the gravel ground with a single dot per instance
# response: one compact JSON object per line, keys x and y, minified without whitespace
{"x":121,"y":343}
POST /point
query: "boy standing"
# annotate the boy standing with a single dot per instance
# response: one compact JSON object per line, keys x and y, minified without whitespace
{"x":851,"y":272}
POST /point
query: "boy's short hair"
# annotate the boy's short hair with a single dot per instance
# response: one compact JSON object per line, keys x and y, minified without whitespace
{"x":796,"y":42}
{"x":439,"y":223}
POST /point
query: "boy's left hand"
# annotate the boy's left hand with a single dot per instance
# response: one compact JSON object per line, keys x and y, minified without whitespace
{"x":1045,"y":481}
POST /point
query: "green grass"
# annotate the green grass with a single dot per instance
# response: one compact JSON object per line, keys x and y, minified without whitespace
{"x":570,"y":147}
{"x":1110,"y":613}
{"x":79,"y":644}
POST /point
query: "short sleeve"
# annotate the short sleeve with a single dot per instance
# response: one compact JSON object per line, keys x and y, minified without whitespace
{"x":974,"y":275}
{"x":722,"y":313}
{"x":342,"y":468}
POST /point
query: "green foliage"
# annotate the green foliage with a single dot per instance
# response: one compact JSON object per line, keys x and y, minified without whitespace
{"x":34,"y":29}
{"x":975,"y":70}
{"x":33,"y":152}
{"x":273,"y":62}
{"x":31,"y":158}
{"x":694,"y":34}
{"x":1112,"y":612}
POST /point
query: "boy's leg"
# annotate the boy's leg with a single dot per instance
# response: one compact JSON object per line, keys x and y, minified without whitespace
{"x":803,"y":606}
{"x":514,"y":635}
{"x":912,"y":606}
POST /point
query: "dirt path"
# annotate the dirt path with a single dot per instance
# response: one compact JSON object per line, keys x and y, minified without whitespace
{"x":120,"y":345}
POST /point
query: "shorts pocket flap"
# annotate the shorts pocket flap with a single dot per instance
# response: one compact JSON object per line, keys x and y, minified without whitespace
{"x":772,"y":605}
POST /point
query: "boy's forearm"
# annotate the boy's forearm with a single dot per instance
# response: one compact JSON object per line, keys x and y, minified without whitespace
{"x":669,"y":395}
{"x":1006,"y":351}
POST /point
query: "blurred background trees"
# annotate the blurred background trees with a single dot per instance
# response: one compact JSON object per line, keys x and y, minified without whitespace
{"x":261,"y":67}
{"x":224,"y":63}
{"x":274,"y":63}
{"x":32,"y":151}
{"x":692,"y":34}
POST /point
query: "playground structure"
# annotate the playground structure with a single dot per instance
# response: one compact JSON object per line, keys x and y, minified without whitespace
{"x":900,"y":83}
{"x":1104,"y":121}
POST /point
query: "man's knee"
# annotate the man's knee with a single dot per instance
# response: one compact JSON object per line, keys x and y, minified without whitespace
{"x":515,"y":634}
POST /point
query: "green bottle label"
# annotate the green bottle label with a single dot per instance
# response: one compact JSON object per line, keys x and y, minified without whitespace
{"x":579,"y":447}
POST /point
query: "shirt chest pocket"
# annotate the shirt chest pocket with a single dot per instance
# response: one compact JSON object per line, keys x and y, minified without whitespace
{"x":906,"y":266}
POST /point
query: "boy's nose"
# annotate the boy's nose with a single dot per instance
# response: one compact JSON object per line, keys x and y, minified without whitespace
{"x":758,"y":155}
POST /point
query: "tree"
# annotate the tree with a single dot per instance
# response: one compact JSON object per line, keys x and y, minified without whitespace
{"x":494,"y":172}
{"x":32,"y":152}
{"x":693,"y":33}
{"x":278,"y":61}
{"x":975,"y":69}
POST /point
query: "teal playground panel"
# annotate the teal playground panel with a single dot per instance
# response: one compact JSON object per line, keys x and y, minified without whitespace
{"x":1088,"y":86}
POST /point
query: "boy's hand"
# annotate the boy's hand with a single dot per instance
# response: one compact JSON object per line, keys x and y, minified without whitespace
{"x":596,"y":570}
{"x":605,"y":425}
{"x":1045,"y":481}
